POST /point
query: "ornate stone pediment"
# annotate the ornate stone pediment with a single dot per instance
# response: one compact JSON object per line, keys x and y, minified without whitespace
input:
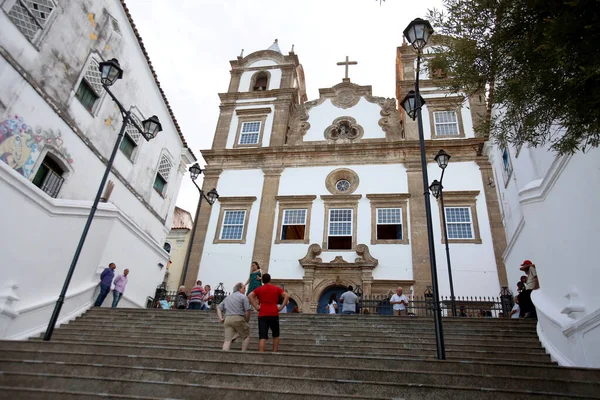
{"x":346,"y":95}
{"x":364,"y":259}
{"x":344,"y":128}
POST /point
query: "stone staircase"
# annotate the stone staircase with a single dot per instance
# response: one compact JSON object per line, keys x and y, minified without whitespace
{"x":152,"y":354}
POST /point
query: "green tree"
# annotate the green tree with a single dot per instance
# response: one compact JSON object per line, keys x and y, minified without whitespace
{"x":537,"y":60}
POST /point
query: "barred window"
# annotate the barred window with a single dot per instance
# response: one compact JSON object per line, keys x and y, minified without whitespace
{"x":31,"y":16}
{"x":233,"y":224}
{"x":389,"y":224}
{"x":340,"y":229}
{"x":131,"y":138}
{"x":294,"y":224}
{"x":90,"y":87}
{"x":459,"y":222}
{"x":250,"y":132}
{"x":446,"y":123}
{"x":49,"y":177}
{"x":165,"y":166}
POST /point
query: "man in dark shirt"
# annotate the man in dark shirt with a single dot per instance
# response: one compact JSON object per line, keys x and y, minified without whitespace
{"x":265,"y":299}
{"x":105,"y":282}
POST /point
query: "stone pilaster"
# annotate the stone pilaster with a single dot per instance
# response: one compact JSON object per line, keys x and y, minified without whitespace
{"x":234,"y":83}
{"x":223,"y":126}
{"x":280,"y":123}
{"x":367,"y":280}
{"x":266,"y":217}
{"x":495,"y":217}
{"x":211,"y":177}
{"x":308,"y":278}
{"x":418,"y":228}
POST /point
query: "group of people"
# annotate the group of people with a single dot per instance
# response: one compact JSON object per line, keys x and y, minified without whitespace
{"x":349,"y":301}
{"x":106,"y":282}
{"x":269,"y":300}
{"x":524,"y":307}
{"x":198,"y":297}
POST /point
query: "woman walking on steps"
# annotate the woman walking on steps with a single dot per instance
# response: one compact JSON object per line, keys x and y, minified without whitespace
{"x":332,"y":305}
{"x":255,"y":279}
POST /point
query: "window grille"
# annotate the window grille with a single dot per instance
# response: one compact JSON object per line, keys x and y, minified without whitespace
{"x":389,"y":223}
{"x":446,"y":123}
{"x":49,"y":177}
{"x":233,"y":224}
{"x":93,"y":76}
{"x":164,"y":168}
{"x":250,"y":132}
{"x":132,"y":131}
{"x":459,"y":222}
{"x":115,"y":25}
{"x":30,"y":16}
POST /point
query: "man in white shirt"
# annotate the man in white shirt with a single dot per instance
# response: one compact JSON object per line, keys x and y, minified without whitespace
{"x":349,"y":300}
{"x":399,"y":302}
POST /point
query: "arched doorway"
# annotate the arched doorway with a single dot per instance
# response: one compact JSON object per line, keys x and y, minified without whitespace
{"x":290,"y":305}
{"x":324,"y":299}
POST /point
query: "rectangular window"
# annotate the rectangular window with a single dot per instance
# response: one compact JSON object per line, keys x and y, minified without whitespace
{"x":131,"y":138}
{"x":86,"y":95}
{"x":31,"y":16}
{"x":459,"y":223}
{"x":446,"y":123}
{"x":293,"y":225}
{"x":159,"y":184}
{"x":389,"y":224}
{"x":49,"y":177}
{"x":233,"y":225}
{"x":250,"y":132}
{"x":340,"y":229}
{"x":127,"y":146}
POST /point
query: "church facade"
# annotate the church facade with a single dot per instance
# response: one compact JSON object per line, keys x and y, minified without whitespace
{"x":328,"y":193}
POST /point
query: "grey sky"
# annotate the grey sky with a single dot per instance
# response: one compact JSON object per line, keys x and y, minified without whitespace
{"x":191,"y":42}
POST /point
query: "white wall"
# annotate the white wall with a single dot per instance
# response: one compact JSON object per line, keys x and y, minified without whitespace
{"x":43,"y":235}
{"x":365,"y":113}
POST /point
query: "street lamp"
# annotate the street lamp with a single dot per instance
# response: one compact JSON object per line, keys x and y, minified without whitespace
{"x":437,"y":189}
{"x":210,"y":197}
{"x":110,"y":73}
{"x":417,"y":33}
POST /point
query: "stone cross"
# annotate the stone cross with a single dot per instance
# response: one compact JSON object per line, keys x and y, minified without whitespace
{"x":347,"y":63}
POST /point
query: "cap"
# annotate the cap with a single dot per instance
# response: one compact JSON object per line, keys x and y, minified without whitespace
{"x":526,"y":262}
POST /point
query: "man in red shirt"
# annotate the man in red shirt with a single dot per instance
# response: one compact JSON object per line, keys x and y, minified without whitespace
{"x":265,"y":299}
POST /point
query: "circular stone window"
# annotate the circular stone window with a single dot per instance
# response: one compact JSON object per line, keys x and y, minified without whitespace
{"x":342,"y":185}
{"x":342,"y":181}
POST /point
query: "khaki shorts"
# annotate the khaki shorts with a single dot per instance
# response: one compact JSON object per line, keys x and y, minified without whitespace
{"x":399,"y":312}
{"x":236,"y":326}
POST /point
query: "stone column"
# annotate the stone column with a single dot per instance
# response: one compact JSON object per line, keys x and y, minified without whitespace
{"x":418,"y":228}
{"x":367,"y":280}
{"x":493,"y":209}
{"x":223,"y":126}
{"x":234,"y":83}
{"x":280,"y":123}
{"x":308,"y":278}
{"x":211,"y":177}
{"x":266,"y":217}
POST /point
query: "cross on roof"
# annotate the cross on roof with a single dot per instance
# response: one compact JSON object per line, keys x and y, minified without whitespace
{"x":347,"y":63}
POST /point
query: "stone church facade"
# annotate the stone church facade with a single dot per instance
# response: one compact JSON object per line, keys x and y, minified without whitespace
{"x":328,"y":193}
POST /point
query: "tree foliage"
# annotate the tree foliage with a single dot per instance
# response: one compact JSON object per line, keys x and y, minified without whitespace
{"x":538,"y":61}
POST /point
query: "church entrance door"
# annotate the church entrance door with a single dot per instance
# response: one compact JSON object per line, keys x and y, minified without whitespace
{"x":324,"y":299}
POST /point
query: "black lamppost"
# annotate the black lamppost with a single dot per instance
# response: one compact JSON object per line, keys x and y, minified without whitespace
{"x":437,"y":189}
{"x":111,"y":72}
{"x":417,"y":33}
{"x":211,"y":197}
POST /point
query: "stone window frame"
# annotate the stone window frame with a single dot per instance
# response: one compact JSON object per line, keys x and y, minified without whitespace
{"x":389,"y":200}
{"x":338,"y":174}
{"x":234,"y":203}
{"x":253,"y":80}
{"x":340,"y":201}
{"x":43,"y":27}
{"x":294,"y":203}
{"x":251,"y":115}
{"x":467,"y":198}
{"x":445,"y":104}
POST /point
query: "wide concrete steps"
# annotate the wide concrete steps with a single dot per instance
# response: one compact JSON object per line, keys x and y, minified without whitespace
{"x":149,"y":354}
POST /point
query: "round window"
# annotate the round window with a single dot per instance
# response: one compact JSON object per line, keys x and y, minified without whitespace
{"x":342,"y":185}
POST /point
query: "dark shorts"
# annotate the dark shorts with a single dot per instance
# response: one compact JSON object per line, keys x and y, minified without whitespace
{"x":266,"y":323}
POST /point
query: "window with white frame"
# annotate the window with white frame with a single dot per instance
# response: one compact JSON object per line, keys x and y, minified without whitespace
{"x":131,"y":138}
{"x":162,"y":175}
{"x":340,"y":229}
{"x":293,"y":226}
{"x":233,"y":225}
{"x":446,"y":123}
{"x":389,"y":224}
{"x":459,"y":223}
{"x":250,"y":132}
{"x":31,"y":16}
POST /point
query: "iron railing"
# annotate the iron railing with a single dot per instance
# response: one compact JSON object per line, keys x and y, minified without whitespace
{"x":52,"y":183}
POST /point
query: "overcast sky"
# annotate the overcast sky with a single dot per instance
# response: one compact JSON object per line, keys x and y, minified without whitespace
{"x":191,"y":42}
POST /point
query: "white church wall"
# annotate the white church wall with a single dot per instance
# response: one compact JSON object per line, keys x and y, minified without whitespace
{"x":470,"y":262}
{"x":274,"y":80}
{"x":559,"y":219}
{"x":365,"y":113}
{"x":43,"y":235}
{"x":230,"y":262}
{"x":235,"y":121}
